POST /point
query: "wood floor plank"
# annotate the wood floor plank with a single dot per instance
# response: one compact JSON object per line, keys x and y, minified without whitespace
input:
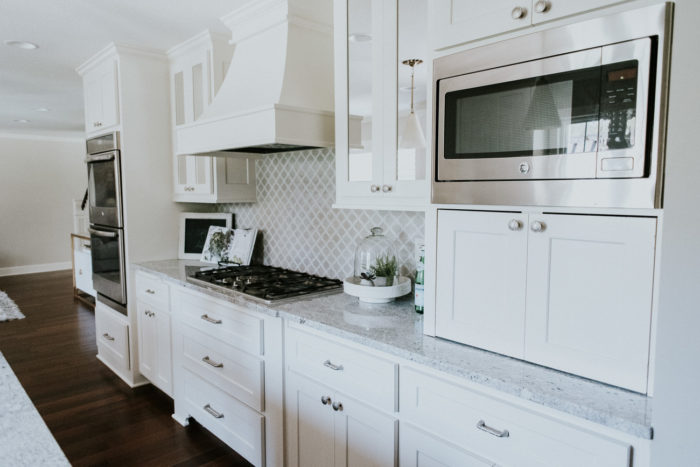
{"x":94,"y":416}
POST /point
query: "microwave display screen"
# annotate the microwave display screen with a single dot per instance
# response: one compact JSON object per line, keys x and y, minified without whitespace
{"x":557,"y":114}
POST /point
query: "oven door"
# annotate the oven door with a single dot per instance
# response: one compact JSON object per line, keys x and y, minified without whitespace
{"x":104,"y":189}
{"x":108,"y":271}
{"x":547,"y":118}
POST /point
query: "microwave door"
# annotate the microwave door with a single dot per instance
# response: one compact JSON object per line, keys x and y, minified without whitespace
{"x":108,"y":272}
{"x":532,"y":120}
{"x":104,"y":189}
{"x":623,"y":109}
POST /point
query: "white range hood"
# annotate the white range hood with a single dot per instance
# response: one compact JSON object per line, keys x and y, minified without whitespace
{"x":278,"y":93}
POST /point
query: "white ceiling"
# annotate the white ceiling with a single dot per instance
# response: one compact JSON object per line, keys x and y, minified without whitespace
{"x":69,"y":32}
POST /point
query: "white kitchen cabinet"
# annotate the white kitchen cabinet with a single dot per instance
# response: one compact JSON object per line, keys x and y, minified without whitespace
{"x":205,"y":179}
{"x":572,"y":292}
{"x":328,"y":428}
{"x":377,"y":165}
{"x":421,"y":449}
{"x":82,"y":269}
{"x":101,"y":89}
{"x":155,"y":350}
{"x":459,"y":21}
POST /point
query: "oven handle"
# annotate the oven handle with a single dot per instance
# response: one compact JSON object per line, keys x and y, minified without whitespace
{"x":102,"y":233}
{"x":99,"y":158}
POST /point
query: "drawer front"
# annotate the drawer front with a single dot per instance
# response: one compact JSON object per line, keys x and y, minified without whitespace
{"x":365,"y":377}
{"x":112,"y":335}
{"x":420,"y":449}
{"x":220,"y":320}
{"x":231,"y":370}
{"x":150,"y":289}
{"x":237,"y":425}
{"x":479,"y":423}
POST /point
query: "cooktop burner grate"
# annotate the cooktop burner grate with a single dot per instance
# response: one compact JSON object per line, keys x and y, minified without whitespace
{"x":268,"y":284}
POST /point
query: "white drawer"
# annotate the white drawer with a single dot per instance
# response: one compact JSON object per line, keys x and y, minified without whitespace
{"x":453,"y":412}
{"x":150,"y":289}
{"x":231,"y":370}
{"x":237,"y":425}
{"x":221,"y":320}
{"x":363,"y":376}
{"x":112,"y":333}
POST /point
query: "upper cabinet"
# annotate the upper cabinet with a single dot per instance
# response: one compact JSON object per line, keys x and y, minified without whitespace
{"x":458,"y":21}
{"x":101,"y":89}
{"x":381,"y":72}
{"x":197,"y":69}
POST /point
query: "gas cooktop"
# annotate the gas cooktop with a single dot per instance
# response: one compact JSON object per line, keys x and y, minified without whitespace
{"x":266,"y":284}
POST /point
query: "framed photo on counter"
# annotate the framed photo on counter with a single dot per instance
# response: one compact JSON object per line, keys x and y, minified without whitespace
{"x":194,"y":227}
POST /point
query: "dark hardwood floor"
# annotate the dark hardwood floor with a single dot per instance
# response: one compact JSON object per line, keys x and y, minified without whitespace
{"x":95,"y":417}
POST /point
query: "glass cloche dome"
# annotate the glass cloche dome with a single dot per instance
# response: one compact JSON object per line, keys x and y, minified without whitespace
{"x":375,"y":260}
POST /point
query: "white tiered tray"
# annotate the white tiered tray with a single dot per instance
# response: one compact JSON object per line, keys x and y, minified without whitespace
{"x":370,"y":294}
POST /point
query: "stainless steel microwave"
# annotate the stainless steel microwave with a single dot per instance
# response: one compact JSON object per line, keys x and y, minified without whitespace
{"x":571,"y":116}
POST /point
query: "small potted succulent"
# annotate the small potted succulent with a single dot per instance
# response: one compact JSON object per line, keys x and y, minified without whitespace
{"x":384,"y":270}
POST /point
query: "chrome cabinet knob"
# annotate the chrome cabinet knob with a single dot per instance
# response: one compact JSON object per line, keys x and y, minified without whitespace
{"x":538,"y":226}
{"x":337,"y":406}
{"x":518,"y":12}
{"x":325,"y":400}
{"x":542,"y":6}
{"x":515,"y":225}
{"x":386,"y":188}
{"x":80,"y":272}
{"x":374,"y":188}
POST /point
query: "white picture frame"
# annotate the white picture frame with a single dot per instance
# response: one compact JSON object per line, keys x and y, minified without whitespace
{"x":194,"y":228}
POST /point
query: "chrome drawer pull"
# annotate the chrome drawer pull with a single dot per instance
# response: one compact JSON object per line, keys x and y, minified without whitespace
{"x":211,"y":362}
{"x":325,"y":400}
{"x":150,"y":291}
{"x":211,"y":320}
{"x":328,"y":364}
{"x":337,"y":406}
{"x":492,"y":431}
{"x":213,"y":412}
{"x":108,"y":337}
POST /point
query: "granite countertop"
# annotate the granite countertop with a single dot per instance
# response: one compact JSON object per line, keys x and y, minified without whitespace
{"x":397,"y":330}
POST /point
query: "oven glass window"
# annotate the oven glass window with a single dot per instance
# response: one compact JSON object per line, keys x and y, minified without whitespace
{"x":560,"y":113}
{"x":102,"y":184}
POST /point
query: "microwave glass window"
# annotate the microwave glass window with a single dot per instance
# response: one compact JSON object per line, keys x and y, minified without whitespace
{"x":545,"y":115}
{"x":102,"y":184}
{"x":618,"y":105}
{"x":362,"y":29}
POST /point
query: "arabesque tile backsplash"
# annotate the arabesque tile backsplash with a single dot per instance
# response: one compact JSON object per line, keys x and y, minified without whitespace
{"x":302,"y":231}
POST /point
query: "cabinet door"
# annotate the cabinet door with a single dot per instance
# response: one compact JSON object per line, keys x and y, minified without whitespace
{"x":589,"y":296}
{"x":458,"y":21}
{"x":364,"y":437}
{"x":148,"y":342}
{"x":310,"y":423}
{"x":548,"y":10}
{"x":420,"y":449}
{"x":480,"y":292}
{"x":109,"y":89}
{"x":193,"y":175}
{"x":163,"y":361}
{"x":93,"y":101}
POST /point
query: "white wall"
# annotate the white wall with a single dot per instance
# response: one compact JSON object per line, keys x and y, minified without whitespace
{"x":39,"y":178}
{"x":676,"y":405}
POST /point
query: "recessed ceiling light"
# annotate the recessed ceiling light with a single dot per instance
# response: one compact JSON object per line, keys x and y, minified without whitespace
{"x":22,"y":120}
{"x":22,"y":45}
{"x":43,"y":109}
{"x":359,"y":37}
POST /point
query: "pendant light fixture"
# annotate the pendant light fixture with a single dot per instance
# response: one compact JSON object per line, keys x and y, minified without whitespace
{"x":412,"y":135}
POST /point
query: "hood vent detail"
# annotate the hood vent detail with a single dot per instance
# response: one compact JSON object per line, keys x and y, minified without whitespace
{"x":278,"y":93}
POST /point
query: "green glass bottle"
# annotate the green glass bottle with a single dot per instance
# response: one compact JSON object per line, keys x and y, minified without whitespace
{"x":420,"y":279}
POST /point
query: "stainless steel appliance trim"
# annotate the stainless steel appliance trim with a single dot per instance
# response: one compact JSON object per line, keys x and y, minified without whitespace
{"x":102,"y":285}
{"x":647,"y":192}
{"x":580,"y":165}
{"x":112,"y":217}
{"x":99,"y":157}
{"x":107,"y":142}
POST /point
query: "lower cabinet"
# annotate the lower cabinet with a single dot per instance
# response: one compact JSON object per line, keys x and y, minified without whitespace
{"x":328,"y":428}
{"x":112,"y":329}
{"x":421,"y":449}
{"x":155,"y":353}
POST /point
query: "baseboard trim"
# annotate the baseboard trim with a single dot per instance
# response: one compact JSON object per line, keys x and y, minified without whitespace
{"x":34,"y":268}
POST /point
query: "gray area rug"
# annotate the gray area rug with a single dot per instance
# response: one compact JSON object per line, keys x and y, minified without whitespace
{"x":8,"y":309}
{"x":25,"y":440}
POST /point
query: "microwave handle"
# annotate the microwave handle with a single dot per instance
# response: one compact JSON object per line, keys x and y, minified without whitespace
{"x":102,"y":233}
{"x":99,"y":158}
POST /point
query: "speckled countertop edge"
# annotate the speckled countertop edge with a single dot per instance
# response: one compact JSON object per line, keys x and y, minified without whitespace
{"x":397,"y":330}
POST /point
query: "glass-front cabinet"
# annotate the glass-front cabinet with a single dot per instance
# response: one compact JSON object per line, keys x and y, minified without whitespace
{"x":381,"y":60}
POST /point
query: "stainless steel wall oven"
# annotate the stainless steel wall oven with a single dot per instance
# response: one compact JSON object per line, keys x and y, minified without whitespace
{"x":571,"y":116}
